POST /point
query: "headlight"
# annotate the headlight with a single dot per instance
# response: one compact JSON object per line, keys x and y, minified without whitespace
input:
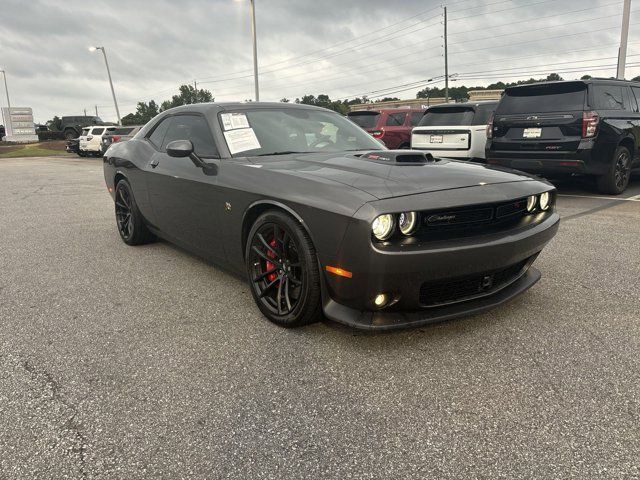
{"x":545,"y":201}
{"x":382,"y":226}
{"x":407,"y":221}
{"x":531,"y":203}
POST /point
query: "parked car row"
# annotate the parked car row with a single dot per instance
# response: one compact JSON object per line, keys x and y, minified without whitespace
{"x":94,"y":140}
{"x":586,"y":127}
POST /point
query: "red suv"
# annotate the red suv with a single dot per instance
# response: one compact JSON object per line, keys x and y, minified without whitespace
{"x":390,"y":125}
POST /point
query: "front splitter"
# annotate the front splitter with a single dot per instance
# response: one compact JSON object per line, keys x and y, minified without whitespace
{"x":391,"y":320}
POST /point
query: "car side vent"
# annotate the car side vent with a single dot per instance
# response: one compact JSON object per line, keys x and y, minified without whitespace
{"x":400,"y":157}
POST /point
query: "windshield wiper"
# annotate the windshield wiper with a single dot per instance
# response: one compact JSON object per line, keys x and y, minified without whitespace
{"x":284,"y":152}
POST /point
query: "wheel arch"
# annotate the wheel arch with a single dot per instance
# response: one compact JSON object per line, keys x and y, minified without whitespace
{"x":630,"y":143}
{"x":117,"y":177}
{"x":257,"y":208}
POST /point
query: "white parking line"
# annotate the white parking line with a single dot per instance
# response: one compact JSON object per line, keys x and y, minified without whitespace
{"x":635,"y":198}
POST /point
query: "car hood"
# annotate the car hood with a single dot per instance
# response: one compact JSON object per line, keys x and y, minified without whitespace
{"x":383,"y":180}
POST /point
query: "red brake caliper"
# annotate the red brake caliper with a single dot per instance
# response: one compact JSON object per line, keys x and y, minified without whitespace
{"x":272,"y":276}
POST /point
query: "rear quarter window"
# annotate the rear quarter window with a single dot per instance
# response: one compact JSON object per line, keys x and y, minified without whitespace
{"x":608,"y":97}
{"x":557,"y":97}
{"x":395,"y":119}
{"x":416,"y":117}
{"x":365,"y":119}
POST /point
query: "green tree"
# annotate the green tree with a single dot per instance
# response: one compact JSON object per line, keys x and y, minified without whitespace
{"x":144,"y":113}
{"x":55,"y":124}
{"x":187,"y":96}
{"x":387,"y":99}
{"x":284,"y":100}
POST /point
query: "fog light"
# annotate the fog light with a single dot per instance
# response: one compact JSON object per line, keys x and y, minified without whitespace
{"x":531,"y":203}
{"x":545,"y":201}
{"x":380,"y":300}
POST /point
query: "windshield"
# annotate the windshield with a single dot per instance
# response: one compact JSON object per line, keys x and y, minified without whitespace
{"x":557,"y":97}
{"x":364,"y":119}
{"x":452,"y":116}
{"x":269,"y":131}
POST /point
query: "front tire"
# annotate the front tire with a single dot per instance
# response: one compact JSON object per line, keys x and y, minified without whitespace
{"x":131,"y":226}
{"x":616,"y":180}
{"x":283,"y":271}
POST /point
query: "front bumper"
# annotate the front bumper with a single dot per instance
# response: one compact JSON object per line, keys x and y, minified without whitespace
{"x":391,"y":320}
{"x":411,"y":275}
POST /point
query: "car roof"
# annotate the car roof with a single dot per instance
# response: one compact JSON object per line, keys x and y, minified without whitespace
{"x":223,"y":106}
{"x":584,"y":82}
{"x":387,"y":110}
{"x":464,"y":104}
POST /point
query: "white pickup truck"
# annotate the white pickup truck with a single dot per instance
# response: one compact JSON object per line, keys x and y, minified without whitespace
{"x":454,"y":130}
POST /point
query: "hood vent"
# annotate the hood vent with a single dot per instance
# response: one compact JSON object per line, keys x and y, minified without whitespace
{"x":399,"y":157}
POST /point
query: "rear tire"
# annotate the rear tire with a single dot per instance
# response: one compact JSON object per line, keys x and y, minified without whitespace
{"x":616,"y":180}
{"x":282,"y":270}
{"x":129,"y":220}
{"x":70,"y":134}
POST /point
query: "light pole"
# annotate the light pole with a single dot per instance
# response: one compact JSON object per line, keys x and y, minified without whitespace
{"x":115,"y":102}
{"x":255,"y":47}
{"x":6,"y":89}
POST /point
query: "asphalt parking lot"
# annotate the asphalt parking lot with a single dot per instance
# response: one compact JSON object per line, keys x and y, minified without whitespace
{"x":121,"y":362}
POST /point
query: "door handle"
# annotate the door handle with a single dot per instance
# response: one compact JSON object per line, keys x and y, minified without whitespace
{"x":154,"y":163}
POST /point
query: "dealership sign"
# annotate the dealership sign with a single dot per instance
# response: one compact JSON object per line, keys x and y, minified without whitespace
{"x":18,"y":125}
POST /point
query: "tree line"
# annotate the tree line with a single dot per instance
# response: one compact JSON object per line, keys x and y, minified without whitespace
{"x":188,"y":95}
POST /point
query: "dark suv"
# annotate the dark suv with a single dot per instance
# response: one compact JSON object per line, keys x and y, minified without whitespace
{"x":589,"y":127}
{"x":72,"y":126}
{"x":392,"y":126}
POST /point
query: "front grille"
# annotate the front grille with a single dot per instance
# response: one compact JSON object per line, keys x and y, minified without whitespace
{"x":433,"y":294}
{"x":470,"y":221}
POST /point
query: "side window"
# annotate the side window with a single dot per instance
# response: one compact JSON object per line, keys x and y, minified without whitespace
{"x":97,"y":131}
{"x":194,"y":128}
{"x":395,"y":119}
{"x":157,"y":135}
{"x":608,"y":97}
{"x":483,"y":112}
{"x":416,"y":117}
{"x":635,"y":102}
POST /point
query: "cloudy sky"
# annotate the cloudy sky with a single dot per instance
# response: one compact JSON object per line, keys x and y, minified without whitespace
{"x":341,"y":48}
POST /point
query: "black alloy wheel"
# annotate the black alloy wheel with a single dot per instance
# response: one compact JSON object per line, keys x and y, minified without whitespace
{"x":131,"y":226}
{"x":616,"y":180}
{"x":283,"y":270}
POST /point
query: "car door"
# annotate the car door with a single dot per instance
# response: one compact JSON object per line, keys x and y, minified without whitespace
{"x":185,"y":200}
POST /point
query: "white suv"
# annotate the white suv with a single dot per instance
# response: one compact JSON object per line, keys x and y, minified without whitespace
{"x":454,"y":130}
{"x":91,"y":139}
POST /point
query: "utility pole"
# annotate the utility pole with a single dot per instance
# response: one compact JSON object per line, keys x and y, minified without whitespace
{"x":255,"y":48}
{"x":446,"y":60}
{"x":624,"y":36}
{"x":195,"y":91}
{"x":85,"y":112}
{"x":97,"y":111}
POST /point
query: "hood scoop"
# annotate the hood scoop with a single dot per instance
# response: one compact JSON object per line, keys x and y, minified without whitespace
{"x":399,"y":157}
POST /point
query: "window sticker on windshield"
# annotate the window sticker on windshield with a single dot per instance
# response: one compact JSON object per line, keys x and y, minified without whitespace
{"x":241,"y":140}
{"x":231,"y":121}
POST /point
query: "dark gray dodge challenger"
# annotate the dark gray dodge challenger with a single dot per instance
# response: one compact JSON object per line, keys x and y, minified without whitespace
{"x":322,"y":219}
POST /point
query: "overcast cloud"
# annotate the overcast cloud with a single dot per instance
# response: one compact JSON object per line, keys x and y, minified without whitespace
{"x":154,"y":46}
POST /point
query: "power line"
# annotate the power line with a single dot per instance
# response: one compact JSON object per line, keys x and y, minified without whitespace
{"x":528,"y":20}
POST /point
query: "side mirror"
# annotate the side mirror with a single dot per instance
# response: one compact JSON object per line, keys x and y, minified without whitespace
{"x":180,"y":148}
